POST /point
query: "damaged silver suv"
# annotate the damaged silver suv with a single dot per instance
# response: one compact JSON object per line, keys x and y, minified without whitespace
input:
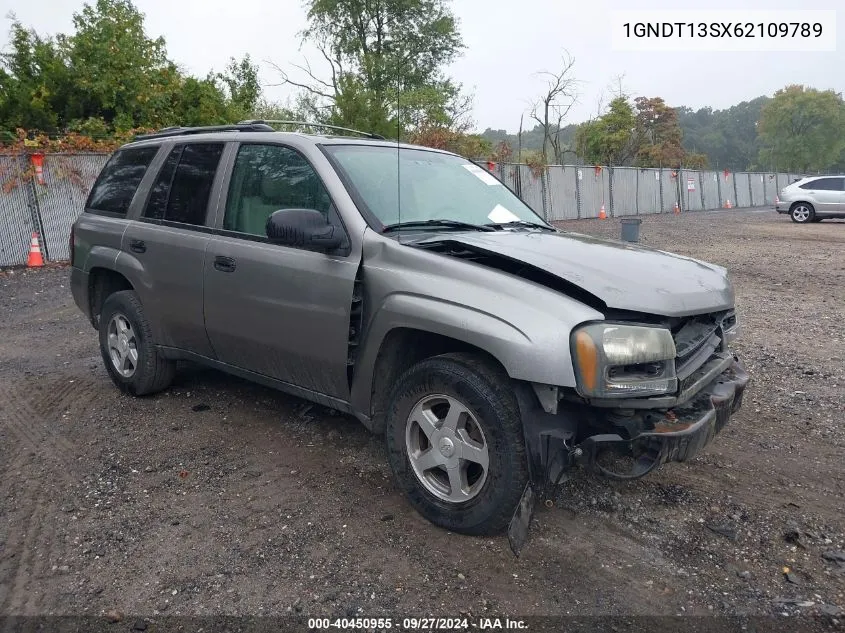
{"x":411,"y":289}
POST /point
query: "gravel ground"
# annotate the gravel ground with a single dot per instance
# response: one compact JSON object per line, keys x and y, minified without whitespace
{"x":222,"y":497}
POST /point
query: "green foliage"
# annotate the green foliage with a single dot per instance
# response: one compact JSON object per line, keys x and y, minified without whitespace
{"x":33,"y":77}
{"x":802,"y":129}
{"x":612,"y":138}
{"x":646,"y":134}
{"x":533,"y":139}
{"x":728,"y":137}
{"x":241,"y":81}
{"x":387,"y":60}
{"x":109,"y":76}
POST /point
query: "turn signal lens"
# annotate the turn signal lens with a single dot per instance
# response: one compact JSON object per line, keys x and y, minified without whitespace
{"x":588,"y":360}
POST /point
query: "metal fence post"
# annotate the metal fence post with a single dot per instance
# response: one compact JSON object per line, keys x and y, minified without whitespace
{"x":544,"y":190}
{"x":719,"y":190}
{"x":662,"y":201}
{"x":34,"y":207}
{"x":577,"y":172}
{"x":637,"y":193}
{"x":750,"y":192}
{"x":736,"y":200}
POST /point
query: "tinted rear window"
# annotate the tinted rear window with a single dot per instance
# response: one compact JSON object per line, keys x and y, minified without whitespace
{"x":824,"y":184}
{"x":119,"y":180}
{"x":191,"y":186}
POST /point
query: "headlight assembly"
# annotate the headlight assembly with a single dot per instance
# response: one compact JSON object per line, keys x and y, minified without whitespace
{"x":615,"y":361}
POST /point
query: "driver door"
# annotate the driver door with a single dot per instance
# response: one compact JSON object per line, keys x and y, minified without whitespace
{"x":279,"y":311}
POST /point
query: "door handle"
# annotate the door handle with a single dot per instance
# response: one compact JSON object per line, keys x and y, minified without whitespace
{"x":224,"y":264}
{"x":137,"y":246}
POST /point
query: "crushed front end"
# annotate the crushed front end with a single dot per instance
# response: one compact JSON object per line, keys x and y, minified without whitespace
{"x":649,"y":393}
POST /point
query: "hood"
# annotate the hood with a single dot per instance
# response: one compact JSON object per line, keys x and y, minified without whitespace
{"x":621,"y":275}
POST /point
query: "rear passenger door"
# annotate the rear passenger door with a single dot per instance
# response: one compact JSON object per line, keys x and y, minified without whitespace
{"x":168,"y":244}
{"x":276,"y":310}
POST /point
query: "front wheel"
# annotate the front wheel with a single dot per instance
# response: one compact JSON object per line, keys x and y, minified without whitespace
{"x":455,"y":443}
{"x":802,"y":212}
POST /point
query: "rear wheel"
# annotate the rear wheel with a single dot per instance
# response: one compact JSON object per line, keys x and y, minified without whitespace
{"x":455,"y":443}
{"x":127,"y":347}
{"x":802,"y":212}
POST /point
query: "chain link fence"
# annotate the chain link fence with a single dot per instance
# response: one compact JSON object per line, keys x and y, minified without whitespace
{"x":556,"y":192}
{"x":47,"y":203}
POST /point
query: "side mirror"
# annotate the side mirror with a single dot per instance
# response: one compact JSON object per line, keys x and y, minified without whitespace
{"x":304,"y":228}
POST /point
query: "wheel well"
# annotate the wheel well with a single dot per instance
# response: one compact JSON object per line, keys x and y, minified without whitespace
{"x":793,"y":205}
{"x":403,"y":348}
{"x":103,"y":282}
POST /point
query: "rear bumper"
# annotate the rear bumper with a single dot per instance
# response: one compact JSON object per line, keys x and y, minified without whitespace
{"x":79,"y":290}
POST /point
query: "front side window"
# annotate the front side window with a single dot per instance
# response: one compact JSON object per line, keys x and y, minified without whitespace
{"x":267,"y":178}
{"x":117,"y":183}
{"x":412,"y":185}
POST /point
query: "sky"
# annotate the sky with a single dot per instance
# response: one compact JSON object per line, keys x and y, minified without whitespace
{"x":508,"y":44}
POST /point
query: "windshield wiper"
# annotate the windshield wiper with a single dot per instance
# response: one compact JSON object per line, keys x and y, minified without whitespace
{"x":450,"y":224}
{"x":521,"y":223}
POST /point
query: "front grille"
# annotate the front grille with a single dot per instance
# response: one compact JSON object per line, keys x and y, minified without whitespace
{"x":697,"y":339}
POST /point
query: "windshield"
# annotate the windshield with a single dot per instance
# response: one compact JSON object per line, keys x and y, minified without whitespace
{"x":426,"y":185}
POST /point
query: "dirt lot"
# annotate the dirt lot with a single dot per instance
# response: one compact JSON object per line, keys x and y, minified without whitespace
{"x":221,"y":497}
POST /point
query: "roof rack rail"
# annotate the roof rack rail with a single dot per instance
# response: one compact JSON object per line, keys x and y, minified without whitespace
{"x":183,"y":131}
{"x":306,"y":124}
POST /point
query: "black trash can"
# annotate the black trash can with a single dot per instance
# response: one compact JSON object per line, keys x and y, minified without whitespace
{"x":631,"y":229}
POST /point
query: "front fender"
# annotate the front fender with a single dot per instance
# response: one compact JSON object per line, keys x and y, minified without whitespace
{"x":540,"y":354}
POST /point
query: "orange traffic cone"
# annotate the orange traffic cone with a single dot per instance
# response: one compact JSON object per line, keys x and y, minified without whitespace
{"x":38,"y":164}
{"x":676,"y":209}
{"x":602,"y":214}
{"x":728,"y":204}
{"x":35,"y":259}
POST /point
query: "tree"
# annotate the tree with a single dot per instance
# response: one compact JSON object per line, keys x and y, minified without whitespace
{"x":118,"y":72}
{"x":108,"y":76}
{"x":241,"y":81}
{"x":376,"y":50}
{"x":802,"y":129}
{"x":552,"y":107}
{"x":660,"y":135}
{"x":728,"y":137}
{"x":33,"y":81}
{"x":612,"y":139}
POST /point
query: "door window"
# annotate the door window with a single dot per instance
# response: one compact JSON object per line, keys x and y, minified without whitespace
{"x":824,"y":184}
{"x":267,"y":178}
{"x":183,"y":187}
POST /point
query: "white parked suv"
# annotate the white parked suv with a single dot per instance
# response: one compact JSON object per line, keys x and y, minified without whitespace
{"x":813,"y":199}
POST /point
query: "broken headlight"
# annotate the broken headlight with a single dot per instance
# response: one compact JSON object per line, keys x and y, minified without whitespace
{"x":615,"y":361}
{"x":730,"y":328}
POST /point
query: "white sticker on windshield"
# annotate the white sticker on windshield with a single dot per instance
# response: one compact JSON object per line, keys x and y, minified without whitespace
{"x":500,"y":214}
{"x":482,"y":175}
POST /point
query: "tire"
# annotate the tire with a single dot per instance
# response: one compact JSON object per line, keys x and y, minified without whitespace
{"x":489,"y":419}
{"x":147,"y":372}
{"x":802,"y":213}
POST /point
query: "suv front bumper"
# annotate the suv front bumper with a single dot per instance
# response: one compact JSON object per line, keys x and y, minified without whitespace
{"x":681,"y":432}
